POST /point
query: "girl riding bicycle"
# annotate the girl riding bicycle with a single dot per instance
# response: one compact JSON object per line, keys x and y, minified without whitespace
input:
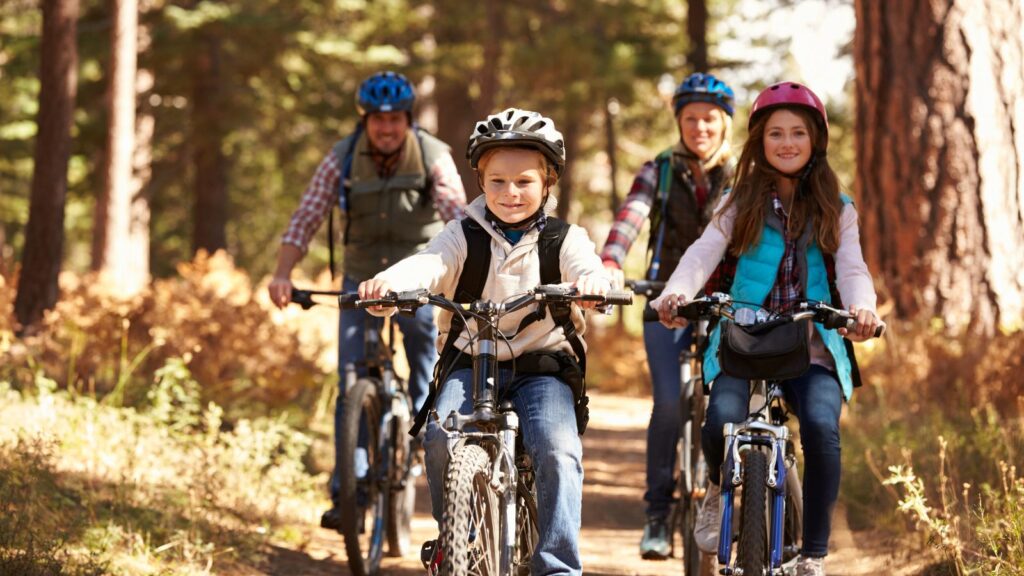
{"x":518,"y":156}
{"x":783,"y":226}
{"x":676,"y":192}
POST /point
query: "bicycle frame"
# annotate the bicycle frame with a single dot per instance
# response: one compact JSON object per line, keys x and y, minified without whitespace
{"x":760,"y":429}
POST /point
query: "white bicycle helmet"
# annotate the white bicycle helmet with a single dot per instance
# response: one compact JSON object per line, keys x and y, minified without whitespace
{"x":516,"y":127}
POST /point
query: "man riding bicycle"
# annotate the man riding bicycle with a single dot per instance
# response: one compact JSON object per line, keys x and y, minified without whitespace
{"x":395,"y":185}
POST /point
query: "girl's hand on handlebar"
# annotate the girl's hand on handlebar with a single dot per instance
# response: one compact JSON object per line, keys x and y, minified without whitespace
{"x":374,"y":289}
{"x":866,"y":324}
{"x":590,"y":284}
{"x":667,"y":305}
{"x":280,"y":291}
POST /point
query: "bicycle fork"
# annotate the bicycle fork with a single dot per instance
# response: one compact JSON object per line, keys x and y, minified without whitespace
{"x":740,"y":438}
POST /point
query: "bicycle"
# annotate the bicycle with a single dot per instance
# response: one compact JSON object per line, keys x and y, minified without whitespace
{"x":489,"y":522}
{"x":377,"y":412}
{"x":692,"y":478}
{"x":760,"y":457}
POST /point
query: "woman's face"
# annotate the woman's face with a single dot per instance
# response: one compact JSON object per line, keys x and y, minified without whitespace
{"x":787,"y":141}
{"x":513,"y":183}
{"x":702,"y":127}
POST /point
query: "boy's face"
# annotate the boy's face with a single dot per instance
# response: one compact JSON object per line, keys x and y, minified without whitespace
{"x":513,"y":183}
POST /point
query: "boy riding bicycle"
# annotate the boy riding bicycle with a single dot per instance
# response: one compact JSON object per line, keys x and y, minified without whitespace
{"x":518,"y":156}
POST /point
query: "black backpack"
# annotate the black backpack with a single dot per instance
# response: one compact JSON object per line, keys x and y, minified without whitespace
{"x":470,"y":288}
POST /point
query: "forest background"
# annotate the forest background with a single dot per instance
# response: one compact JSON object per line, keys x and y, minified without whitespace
{"x":152,"y":151}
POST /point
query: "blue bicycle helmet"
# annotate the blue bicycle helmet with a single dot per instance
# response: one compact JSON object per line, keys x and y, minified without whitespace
{"x":699,"y":87}
{"x":385,"y":92}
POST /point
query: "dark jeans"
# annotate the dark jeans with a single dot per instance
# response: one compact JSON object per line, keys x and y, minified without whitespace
{"x":663,"y":347}
{"x":816,"y":399}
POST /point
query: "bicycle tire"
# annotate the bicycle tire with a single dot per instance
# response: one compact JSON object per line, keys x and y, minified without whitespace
{"x":402,"y":504}
{"x":362,"y":499}
{"x":470,"y":523}
{"x":693,"y":474}
{"x":752,"y":550}
{"x":527,"y":534}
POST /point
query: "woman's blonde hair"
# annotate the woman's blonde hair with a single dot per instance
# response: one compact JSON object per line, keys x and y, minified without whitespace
{"x":819,"y":202}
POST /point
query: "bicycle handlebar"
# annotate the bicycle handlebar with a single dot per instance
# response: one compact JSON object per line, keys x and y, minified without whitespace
{"x":550,"y":294}
{"x":721,"y":305}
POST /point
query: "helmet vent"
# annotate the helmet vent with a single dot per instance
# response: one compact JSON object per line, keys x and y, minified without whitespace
{"x":536,"y":127}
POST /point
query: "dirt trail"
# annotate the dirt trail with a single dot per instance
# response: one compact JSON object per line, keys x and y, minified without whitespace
{"x":613,"y":514}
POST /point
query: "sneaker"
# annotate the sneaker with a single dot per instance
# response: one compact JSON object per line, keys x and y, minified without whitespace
{"x":808,"y":566}
{"x":331,"y":519}
{"x":655,"y":544}
{"x":430,"y":556}
{"x":709,"y":521}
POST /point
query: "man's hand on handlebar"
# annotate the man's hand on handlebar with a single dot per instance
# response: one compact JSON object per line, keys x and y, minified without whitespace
{"x":867,"y":322}
{"x":615,"y":273}
{"x":280,"y":289}
{"x":666,"y":306}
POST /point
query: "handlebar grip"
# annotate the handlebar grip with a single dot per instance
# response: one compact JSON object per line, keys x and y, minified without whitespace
{"x":691,"y":310}
{"x":650,"y":314}
{"x":347,"y":301}
{"x":622,"y":297}
{"x":303,"y":298}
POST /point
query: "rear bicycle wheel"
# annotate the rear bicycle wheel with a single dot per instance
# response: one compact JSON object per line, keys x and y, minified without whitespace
{"x":526,"y":529}
{"x":470,"y":524}
{"x":402,"y":504}
{"x":362,"y":500}
{"x":752,"y":550}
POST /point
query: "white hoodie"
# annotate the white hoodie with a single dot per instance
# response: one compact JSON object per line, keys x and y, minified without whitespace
{"x":513,"y":270}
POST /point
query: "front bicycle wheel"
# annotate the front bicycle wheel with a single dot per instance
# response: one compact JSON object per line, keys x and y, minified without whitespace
{"x":362,"y":500}
{"x":793,"y":525}
{"x":752,"y":550}
{"x":402,"y":504}
{"x":470,"y":524}
{"x":693,"y":475}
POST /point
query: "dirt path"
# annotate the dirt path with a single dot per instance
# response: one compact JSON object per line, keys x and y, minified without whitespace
{"x":613,"y":514}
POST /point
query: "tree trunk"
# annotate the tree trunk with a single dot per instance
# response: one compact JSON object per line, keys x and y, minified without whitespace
{"x":125,"y":263}
{"x":696,"y":31}
{"x":940,"y":177}
{"x":570,"y":135}
{"x":211,"y":195}
{"x":44,"y":233}
{"x":455,"y":121}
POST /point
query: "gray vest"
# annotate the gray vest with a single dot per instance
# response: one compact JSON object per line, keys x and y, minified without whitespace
{"x":390,"y":218}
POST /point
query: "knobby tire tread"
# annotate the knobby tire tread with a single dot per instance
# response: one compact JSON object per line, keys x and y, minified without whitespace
{"x":752,"y":549}
{"x":470,"y":503}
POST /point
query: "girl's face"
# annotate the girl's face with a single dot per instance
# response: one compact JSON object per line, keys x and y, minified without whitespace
{"x":702,"y":127}
{"x":787,"y":141}
{"x":513,"y":183}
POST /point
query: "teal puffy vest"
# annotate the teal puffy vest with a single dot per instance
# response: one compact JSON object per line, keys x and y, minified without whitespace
{"x":755,"y":275}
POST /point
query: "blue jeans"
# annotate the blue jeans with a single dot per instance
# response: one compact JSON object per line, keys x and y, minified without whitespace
{"x":547,"y":423}
{"x":816,"y":399}
{"x":419,"y":336}
{"x":663,"y":348}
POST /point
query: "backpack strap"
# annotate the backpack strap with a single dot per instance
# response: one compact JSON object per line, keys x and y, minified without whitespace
{"x":659,"y":206}
{"x":343,"y":151}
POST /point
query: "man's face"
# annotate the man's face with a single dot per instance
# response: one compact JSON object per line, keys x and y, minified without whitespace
{"x":386,"y":130}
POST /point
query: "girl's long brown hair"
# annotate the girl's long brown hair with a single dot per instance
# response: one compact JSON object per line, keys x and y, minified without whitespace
{"x":820,"y":202}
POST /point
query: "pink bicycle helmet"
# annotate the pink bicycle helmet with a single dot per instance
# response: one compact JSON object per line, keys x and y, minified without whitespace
{"x":788,"y":94}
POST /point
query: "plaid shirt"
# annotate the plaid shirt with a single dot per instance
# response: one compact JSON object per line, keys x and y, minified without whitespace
{"x":322,"y":194}
{"x":787,"y":282}
{"x":632,"y":215}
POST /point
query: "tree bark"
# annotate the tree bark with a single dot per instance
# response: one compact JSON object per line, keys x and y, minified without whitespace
{"x":567,"y":182}
{"x":211,"y":195}
{"x":940,"y":144}
{"x":44,"y":233}
{"x":696,"y":31}
{"x":125,"y":242}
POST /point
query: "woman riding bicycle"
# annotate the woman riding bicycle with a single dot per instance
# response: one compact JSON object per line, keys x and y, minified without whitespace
{"x":782,"y":226}
{"x":518,"y":156}
{"x":676,"y":192}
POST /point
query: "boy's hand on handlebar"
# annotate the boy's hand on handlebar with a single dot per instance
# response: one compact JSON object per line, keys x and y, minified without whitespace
{"x":667,"y":305}
{"x":280,"y":289}
{"x":867,"y":322}
{"x":591,"y":285}
{"x":374,"y":289}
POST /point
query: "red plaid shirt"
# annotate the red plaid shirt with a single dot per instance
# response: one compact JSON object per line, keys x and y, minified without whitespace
{"x":322,"y":194}
{"x":787,"y":281}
